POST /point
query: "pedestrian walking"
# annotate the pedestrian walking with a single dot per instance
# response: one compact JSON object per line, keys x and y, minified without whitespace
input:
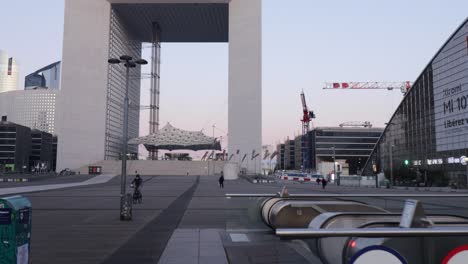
{"x":324,"y":183}
{"x":221,"y":180}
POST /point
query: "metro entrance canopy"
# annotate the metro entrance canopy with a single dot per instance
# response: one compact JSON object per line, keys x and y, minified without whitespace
{"x":171,"y":138}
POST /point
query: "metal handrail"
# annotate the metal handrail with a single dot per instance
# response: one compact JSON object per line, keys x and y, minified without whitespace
{"x":338,"y":195}
{"x":373,"y":232}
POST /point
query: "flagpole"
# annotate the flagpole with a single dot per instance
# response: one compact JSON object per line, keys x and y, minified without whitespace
{"x":239,"y":163}
{"x":255,"y":166}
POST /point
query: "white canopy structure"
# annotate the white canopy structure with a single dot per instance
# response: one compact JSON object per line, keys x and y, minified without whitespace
{"x":171,"y":138}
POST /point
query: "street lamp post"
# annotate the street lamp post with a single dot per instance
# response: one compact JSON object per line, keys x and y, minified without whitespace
{"x":391,"y":157}
{"x":391,"y":164}
{"x":214,"y":151}
{"x":255,"y":166}
{"x":376,"y":174}
{"x":334,"y":167}
{"x":128,"y":62}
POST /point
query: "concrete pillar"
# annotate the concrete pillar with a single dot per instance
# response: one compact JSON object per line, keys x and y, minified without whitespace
{"x":82,"y":104}
{"x":245,"y":79}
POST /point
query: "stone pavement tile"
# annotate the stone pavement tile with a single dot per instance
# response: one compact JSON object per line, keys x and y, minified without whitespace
{"x":204,"y":219}
{"x":213,"y":260}
{"x":208,"y":247}
{"x":177,"y":248}
{"x":186,"y":231}
{"x":186,"y":239}
{"x":179,"y":260}
{"x":212,"y":252}
{"x":213,"y":232}
{"x":209,"y":235}
{"x":210,"y":203}
{"x":211,"y":244}
{"x":182,"y":247}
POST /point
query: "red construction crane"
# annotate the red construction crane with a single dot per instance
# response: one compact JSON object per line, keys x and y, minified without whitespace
{"x":402,"y":86}
{"x":307,"y":117}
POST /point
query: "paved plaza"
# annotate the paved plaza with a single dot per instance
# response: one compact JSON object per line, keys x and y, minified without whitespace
{"x":181,"y":220}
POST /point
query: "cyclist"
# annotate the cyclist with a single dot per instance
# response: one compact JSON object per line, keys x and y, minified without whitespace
{"x":137,"y":182}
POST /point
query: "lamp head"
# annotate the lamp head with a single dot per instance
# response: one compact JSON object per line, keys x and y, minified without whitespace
{"x":113,"y":61}
{"x":125,"y":58}
{"x":130,"y":65}
{"x":141,"y":62}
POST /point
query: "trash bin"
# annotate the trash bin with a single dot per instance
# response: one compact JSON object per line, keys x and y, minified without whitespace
{"x":126,"y":213}
{"x":15,"y":227}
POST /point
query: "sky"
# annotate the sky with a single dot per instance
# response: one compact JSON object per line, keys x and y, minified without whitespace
{"x":305,"y":43}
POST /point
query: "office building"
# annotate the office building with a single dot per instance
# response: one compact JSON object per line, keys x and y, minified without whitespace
{"x":54,"y":153}
{"x":41,"y":150}
{"x":47,"y":77}
{"x":298,"y":153}
{"x":280,"y":148}
{"x":8,"y":73}
{"x":289,"y":155}
{"x":15,"y":146}
{"x":426,"y":138}
{"x":351,"y":145}
{"x":32,"y":108}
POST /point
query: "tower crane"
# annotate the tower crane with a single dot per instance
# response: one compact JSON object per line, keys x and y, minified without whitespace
{"x":356,"y":124}
{"x":402,"y":86}
{"x":307,"y":117}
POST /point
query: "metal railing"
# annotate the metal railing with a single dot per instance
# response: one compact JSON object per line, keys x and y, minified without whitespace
{"x":372,"y":195}
{"x":373,"y":232}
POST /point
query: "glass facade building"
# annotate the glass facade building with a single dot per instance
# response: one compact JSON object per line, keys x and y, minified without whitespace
{"x":47,"y":77}
{"x":289,"y":155}
{"x":427,"y":135}
{"x":352,"y":145}
{"x":280,"y":156}
{"x":41,"y":150}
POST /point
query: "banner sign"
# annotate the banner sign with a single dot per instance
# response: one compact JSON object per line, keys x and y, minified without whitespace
{"x":450,"y":86}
